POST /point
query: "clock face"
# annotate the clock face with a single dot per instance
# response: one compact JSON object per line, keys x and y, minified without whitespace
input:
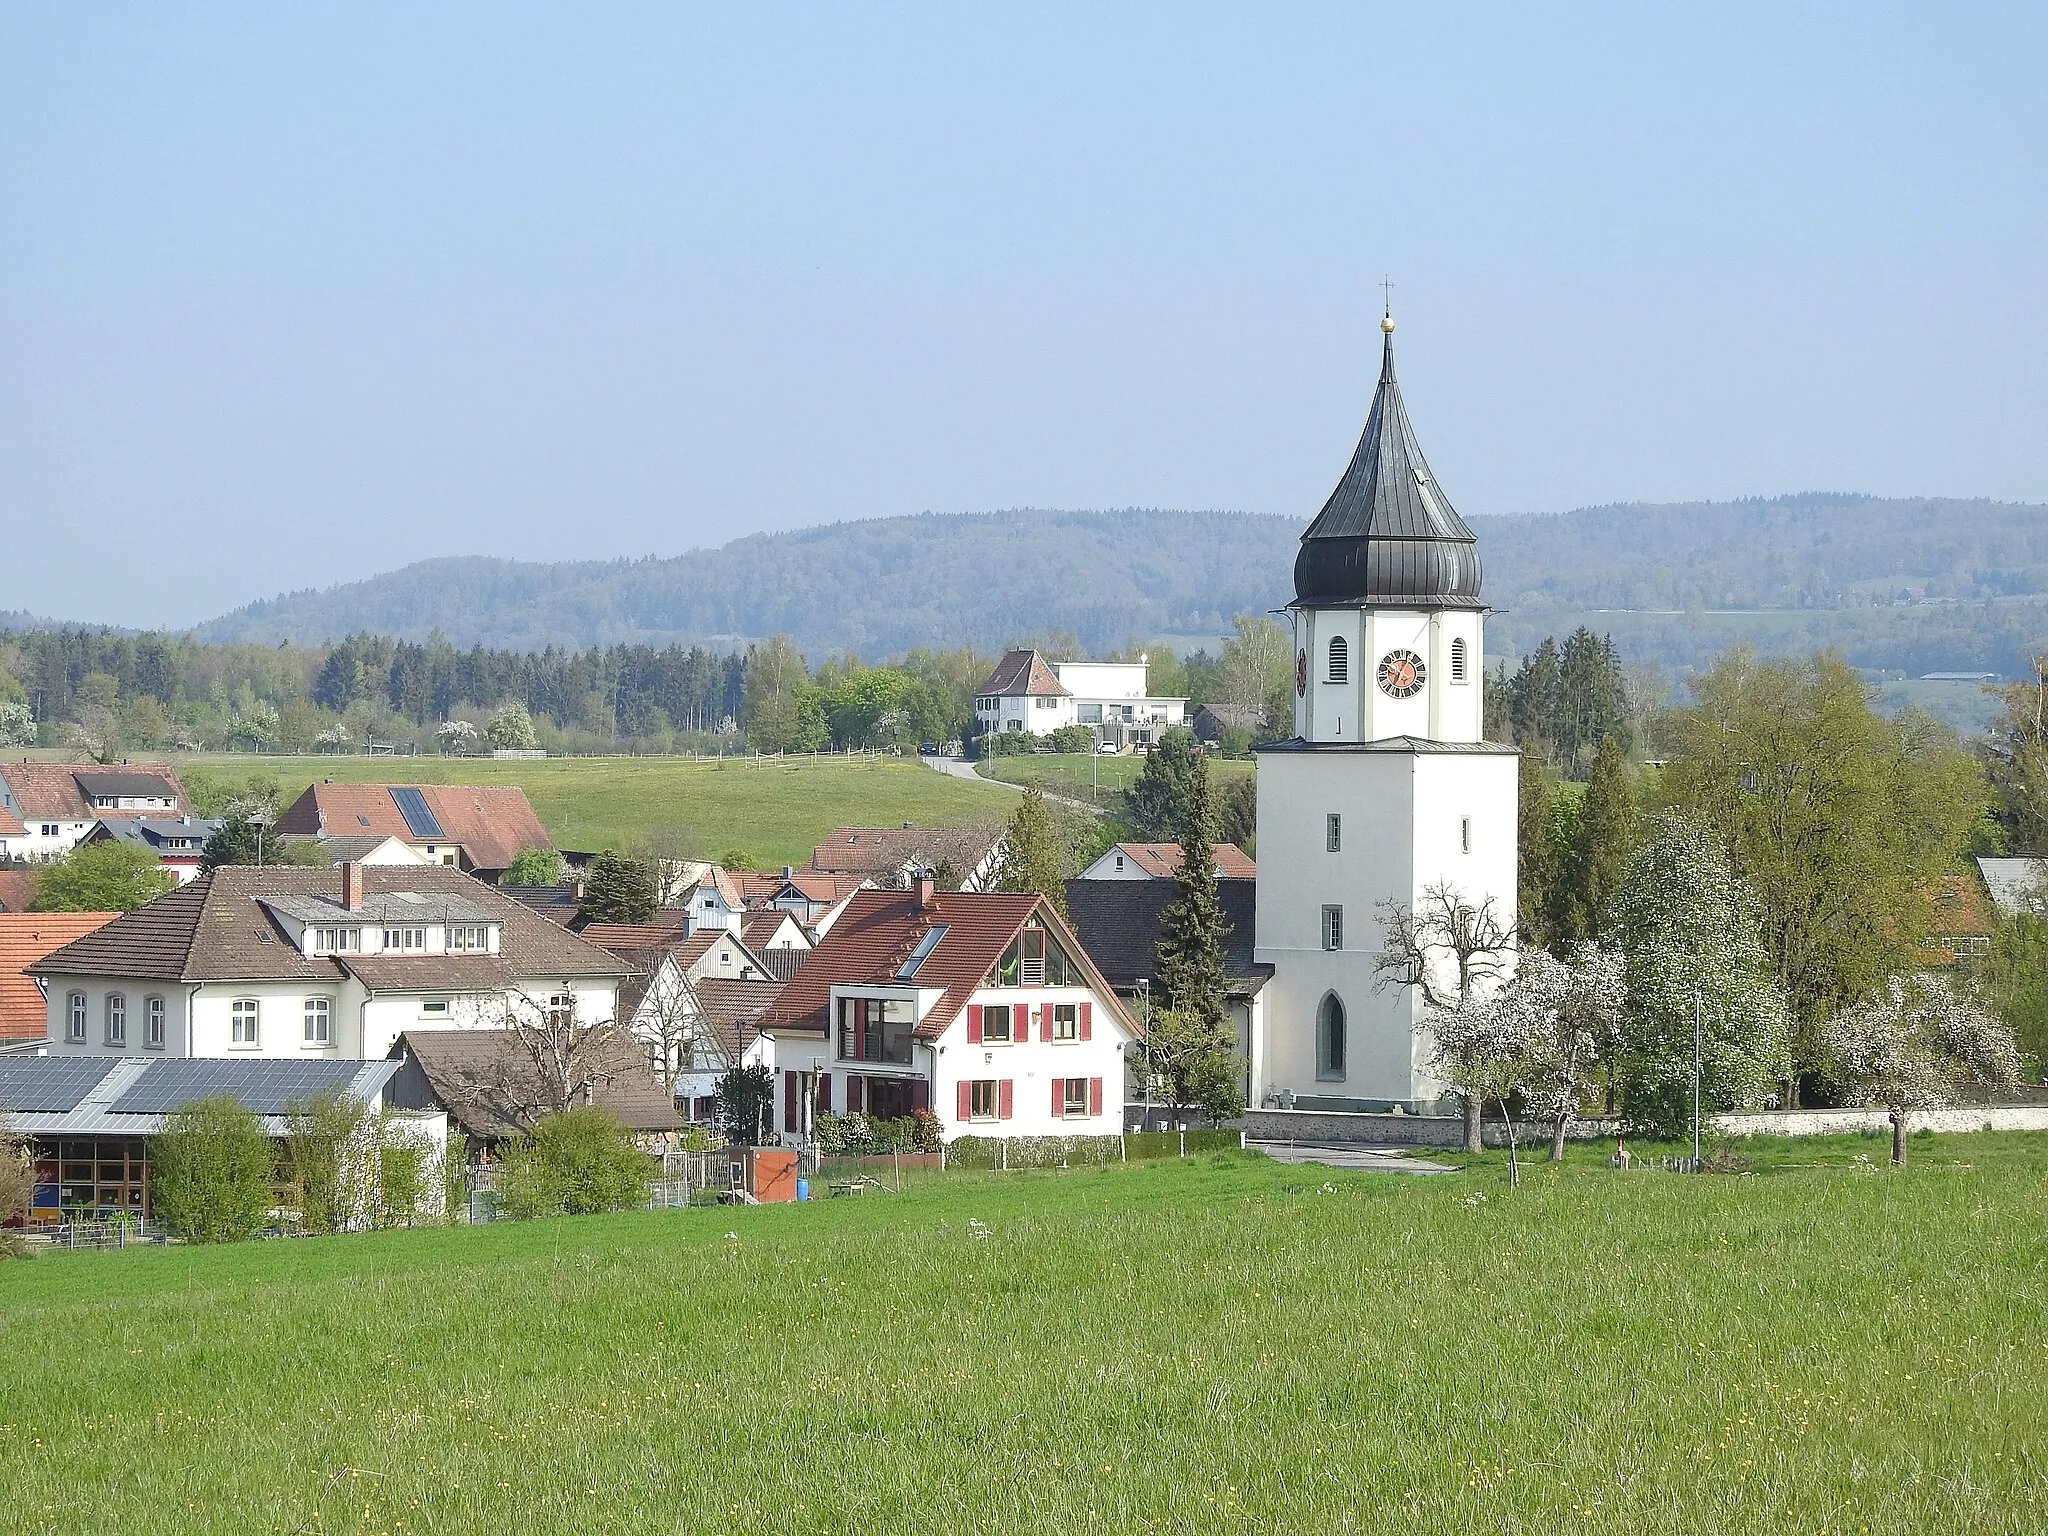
{"x":1301,"y":674}
{"x":1401,"y":674}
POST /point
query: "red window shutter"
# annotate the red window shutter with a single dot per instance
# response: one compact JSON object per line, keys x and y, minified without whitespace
{"x":920,"y":1094}
{"x":966,"y":1100}
{"x":1045,"y":1024}
{"x":974,"y":1023}
{"x":1087,"y":1021}
{"x":824,"y":1104}
{"x":789,"y":1101}
{"x":856,"y":1094}
{"x":1005,"y":1099}
{"x":1059,"y":1097}
{"x":1094,"y":1095}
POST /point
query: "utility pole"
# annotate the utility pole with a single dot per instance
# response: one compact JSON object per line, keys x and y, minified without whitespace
{"x":1696,"y":1038}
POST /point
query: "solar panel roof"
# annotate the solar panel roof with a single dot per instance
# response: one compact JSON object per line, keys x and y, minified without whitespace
{"x":53,"y":1085}
{"x":412,"y":805}
{"x":263,"y":1087}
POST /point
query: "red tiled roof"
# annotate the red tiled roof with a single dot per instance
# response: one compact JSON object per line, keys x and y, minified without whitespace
{"x":880,"y":853}
{"x":735,"y":1009}
{"x":488,"y":1083}
{"x":490,"y":823}
{"x":757,"y":928}
{"x":25,"y":937}
{"x":879,"y":930}
{"x":52,"y":789}
{"x":17,"y":889}
{"x":1162,"y":860}
{"x":618,"y":936}
{"x":1025,"y":673}
{"x":10,"y":824}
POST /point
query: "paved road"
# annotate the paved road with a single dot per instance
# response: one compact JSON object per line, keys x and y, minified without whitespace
{"x":1363,"y":1159}
{"x":960,"y":768}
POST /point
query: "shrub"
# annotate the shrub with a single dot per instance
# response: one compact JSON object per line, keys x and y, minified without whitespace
{"x":210,"y":1172}
{"x":1072,"y":738}
{"x":575,"y":1163}
{"x":17,"y":1188}
{"x":535,"y":866}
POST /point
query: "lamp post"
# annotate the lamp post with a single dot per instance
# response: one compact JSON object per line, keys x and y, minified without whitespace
{"x":1145,"y":1018}
{"x":1696,"y":1053}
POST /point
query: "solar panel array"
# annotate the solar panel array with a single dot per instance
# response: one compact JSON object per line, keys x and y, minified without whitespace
{"x":53,"y":1085}
{"x":412,"y":805}
{"x":263,"y":1087}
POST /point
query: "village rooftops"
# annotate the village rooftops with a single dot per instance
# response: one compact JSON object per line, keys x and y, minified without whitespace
{"x":132,"y":1096}
{"x":25,"y":938}
{"x":487,"y":1081}
{"x":1120,"y":923}
{"x":491,"y":824}
{"x":386,"y":907}
{"x":1161,"y":861}
{"x":883,"y":853}
{"x":79,"y":792}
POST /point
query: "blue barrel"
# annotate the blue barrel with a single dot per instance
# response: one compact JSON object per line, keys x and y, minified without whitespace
{"x":803,"y":1189}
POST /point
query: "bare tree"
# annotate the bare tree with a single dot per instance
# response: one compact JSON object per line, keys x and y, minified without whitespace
{"x":552,"y":1059}
{"x":668,"y":1020}
{"x":1452,"y":950}
{"x":17,"y":1176}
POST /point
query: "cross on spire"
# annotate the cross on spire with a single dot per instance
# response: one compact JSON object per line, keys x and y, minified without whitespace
{"x":1386,"y":297}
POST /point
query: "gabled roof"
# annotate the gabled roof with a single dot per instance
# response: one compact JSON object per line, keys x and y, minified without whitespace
{"x":486,"y":1080}
{"x":1959,"y":908}
{"x":557,"y":903}
{"x":490,"y":823}
{"x":17,"y":889}
{"x":153,"y":832}
{"x":10,"y":824}
{"x":53,"y":790}
{"x":782,"y":964}
{"x":1119,"y":925}
{"x":1162,"y":860}
{"x":735,"y":1009}
{"x":1388,"y":533}
{"x":1024,"y":674}
{"x":757,"y":928}
{"x":880,"y":929}
{"x":618,"y":937}
{"x":880,"y":853}
{"x":219,"y":929}
{"x":2018,"y":887}
{"x":25,"y":937}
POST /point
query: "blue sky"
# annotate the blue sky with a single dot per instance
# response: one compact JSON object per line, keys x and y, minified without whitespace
{"x":293,"y":295}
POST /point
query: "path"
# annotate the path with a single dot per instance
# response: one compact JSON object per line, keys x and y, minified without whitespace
{"x":1359,"y":1159}
{"x":961,"y":768}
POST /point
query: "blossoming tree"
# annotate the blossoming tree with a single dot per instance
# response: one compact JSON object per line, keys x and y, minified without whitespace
{"x":1908,"y":1047}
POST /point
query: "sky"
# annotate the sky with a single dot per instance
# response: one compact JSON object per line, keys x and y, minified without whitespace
{"x":293,"y":295}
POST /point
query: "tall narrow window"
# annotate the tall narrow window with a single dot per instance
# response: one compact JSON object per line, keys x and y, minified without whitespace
{"x":1340,"y":660}
{"x":1458,"y":660}
{"x":153,"y":1023}
{"x":243,"y":1023}
{"x":1330,"y":1039}
{"x":319,"y":1021}
{"x":74,"y":1018}
{"x":117,"y":1019}
{"x":1465,"y":834}
{"x":1333,"y":833}
{"x":1333,"y":927}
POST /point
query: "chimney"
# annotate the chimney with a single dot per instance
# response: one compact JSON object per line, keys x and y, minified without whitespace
{"x":924,"y":891}
{"x":789,"y":871}
{"x":352,"y":886}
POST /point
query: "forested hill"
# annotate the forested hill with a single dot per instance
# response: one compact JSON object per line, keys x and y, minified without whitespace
{"x":1914,"y":585}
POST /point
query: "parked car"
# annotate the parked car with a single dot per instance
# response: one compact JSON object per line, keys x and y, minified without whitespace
{"x":1108,"y":749}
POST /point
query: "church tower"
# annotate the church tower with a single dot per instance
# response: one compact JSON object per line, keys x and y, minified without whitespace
{"x":1387,"y":787}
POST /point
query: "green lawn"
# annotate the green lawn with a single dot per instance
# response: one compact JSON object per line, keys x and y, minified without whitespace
{"x":1096,"y":780}
{"x":775,"y":809}
{"x":1221,"y":1344}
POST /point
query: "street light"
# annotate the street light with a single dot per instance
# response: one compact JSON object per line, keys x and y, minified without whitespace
{"x":1145,"y":1018}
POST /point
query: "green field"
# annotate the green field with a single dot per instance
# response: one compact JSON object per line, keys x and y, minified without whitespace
{"x":1092,"y":780}
{"x":774,"y":809}
{"x":1222,"y":1344}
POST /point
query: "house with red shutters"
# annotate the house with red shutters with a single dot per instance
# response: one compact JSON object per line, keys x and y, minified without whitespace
{"x":981,"y":1007}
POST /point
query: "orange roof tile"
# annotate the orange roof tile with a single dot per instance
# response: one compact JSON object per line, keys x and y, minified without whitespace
{"x":491,"y":823}
{"x":1162,"y":860}
{"x":52,"y":789}
{"x":25,"y":937}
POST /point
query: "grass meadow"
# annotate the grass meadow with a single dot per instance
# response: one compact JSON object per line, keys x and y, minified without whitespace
{"x":776,"y":810}
{"x":1221,"y":1344}
{"x":1092,"y":780}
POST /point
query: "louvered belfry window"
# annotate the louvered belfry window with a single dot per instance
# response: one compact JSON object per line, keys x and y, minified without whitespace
{"x":1340,"y":660}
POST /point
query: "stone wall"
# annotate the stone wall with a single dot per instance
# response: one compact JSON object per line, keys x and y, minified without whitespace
{"x":1341,"y":1128}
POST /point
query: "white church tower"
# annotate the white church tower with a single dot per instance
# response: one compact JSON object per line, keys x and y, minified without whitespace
{"x":1387,"y":786}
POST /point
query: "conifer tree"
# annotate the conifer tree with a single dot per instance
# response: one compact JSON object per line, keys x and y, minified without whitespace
{"x":1034,"y":853}
{"x":1197,"y":1049}
{"x":620,"y":890}
{"x":1604,"y":834}
{"x":1540,"y":870}
{"x":1156,"y":805}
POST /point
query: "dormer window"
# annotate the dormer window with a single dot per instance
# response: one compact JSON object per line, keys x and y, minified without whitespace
{"x":405,"y":940}
{"x":335,"y":941}
{"x":469,"y":938}
{"x":1034,"y":960}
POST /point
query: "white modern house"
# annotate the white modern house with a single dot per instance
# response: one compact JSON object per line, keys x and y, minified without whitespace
{"x":982,"y":1008}
{"x":1387,"y":788}
{"x":1027,"y":694}
{"x":311,"y":964}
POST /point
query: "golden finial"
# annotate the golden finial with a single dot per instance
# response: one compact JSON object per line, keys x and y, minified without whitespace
{"x":1386,"y":306}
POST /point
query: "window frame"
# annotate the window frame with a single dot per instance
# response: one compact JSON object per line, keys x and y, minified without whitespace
{"x":1333,"y":832}
{"x":977,"y":1089}
{"x":1066,"y":1031}
{"x":1464,"y":834}
{"x":1009,"y":1012}
{"x":1333,"y":926}
{"x":1068,"y":1111}
{"x":1331,"y":1029}
{"x":323,"y":1006}
{"x":1460,"y":671}
{"x":74,"y":1018}
{"x":402,"y":934}
{"x":1337,"y":660}
{"x":254,"y":1018}
{"x":155,"y":1025}
{"x":116,"y":1019}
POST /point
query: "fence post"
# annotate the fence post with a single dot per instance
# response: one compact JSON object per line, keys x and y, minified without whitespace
{"x":1123,"y":1146}
{"x":1004,"y":1143}
{"x":1183,"y":1134}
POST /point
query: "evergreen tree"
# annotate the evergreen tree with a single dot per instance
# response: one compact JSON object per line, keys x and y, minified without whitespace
{"x":1034,"y":853}
{"x":1156,"y":805}
{"x":1604,"y":833}
{"x":1238,"y":818}
{"x":1540,"y":870}
{"x":620,"y":890}
{"x":1196,"y":1050}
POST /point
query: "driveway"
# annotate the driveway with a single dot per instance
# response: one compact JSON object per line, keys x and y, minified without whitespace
{"x":1361,"y":1159}
{"x":960,"y":768}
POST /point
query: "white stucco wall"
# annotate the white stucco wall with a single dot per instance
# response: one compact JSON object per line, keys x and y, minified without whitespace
{"x":1358,"y":709}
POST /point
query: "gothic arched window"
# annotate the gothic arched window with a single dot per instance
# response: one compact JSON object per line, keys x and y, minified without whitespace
{"x":1340,"y":660}
{"x":1330,"y":1039}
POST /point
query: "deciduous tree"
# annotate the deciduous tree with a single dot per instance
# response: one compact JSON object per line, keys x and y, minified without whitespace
{"x":1034,"y":852}
{"x":101,"y":877}
{"x":1911,"y":1044}
{"x":210,"y":1172}
{"x":1455,"y":952}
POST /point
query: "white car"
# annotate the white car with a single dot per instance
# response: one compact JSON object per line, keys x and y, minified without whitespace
{"x":1108,"y":749}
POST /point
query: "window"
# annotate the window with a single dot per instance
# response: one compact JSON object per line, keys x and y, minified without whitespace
{"x":438,"y":1006}
{"x":49,"y":829}
{"x":1333,"y":927}
{"x":875,"y":1028}
{"x":469,"y":938}
{"x":74,"y":1018}
{"x":153,"y":1023}
{"x":336,"y":941}
{"x":995,"y":1024}
{"x":1330,"y":1039}
{"x":1066,"y":1021}
{"x":1340,"y":660}
{"x":402,"y":939}
{"x":1034,"y":960}
{"x":1465,"y":834}
{"x":117,"y":1019}
{"x":243,"y":1027}
{"x":1047,"y":703}
{"x":1458,"y":660}
{"x":1074,"y":1097}
{"x":319,"y":1021}
{"x":982,"y":1100}
{"x":561,"y":1010}
{"x":1333,"y":833}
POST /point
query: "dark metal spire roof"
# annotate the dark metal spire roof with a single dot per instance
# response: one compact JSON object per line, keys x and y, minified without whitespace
{"x":1388,"y":534}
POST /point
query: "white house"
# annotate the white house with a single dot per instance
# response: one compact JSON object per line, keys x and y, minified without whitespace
{"x":315,"y":963}
{"x":1387,"y":788}
{"x":1026,"y":694}
{"x":47,"y":809}
{"x":982,"y":1008}
{"x":1161,"y":861}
